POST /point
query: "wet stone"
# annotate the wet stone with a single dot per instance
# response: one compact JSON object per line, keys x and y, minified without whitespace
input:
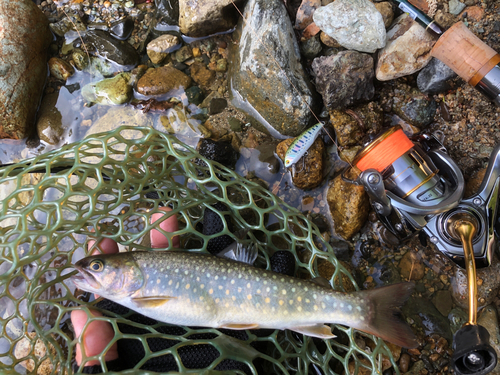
{"x":195,"y":95}
{"x":411,"y":267}
{"x":307,"y":172}
{"x":404,"y":362}
{"x":235,"y":124}
{"x":201,"y":75}
{"x":110,"y":91}
{"x":183,"y":54}
{"x":427,"y":317}
{"x":68,"y":24}
{"x":122,"y":29}
{"x":435,"y":77}
{"x":443,"y":301}
{"x":217,"y":105}
{"x":60,"y":69}
{"x":344,"y":79}
{"x":418,"y":109}
{"x":349,"y":206}
{"x":219,"y":151}
{"x":457,"y":318}
{"x":49,"y":123}
{"x":355,"y":24}
{"x":161,"y":80}
{"x":159,"y":48}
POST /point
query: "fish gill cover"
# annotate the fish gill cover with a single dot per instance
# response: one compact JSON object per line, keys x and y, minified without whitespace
{"x":105,"y":186}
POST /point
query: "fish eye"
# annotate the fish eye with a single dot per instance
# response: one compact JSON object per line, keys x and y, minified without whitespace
{"x":97,"y":265}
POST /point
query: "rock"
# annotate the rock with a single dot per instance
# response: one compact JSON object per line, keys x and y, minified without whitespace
{"x":119,"y":116}
{"x":488,"y":318}
{"x":475,"y":13}
{"x":70,"y":23}
{"x":183,"y":54}
{"x":487,"y":287}
{"x":23,"y":68}
{"x":60,"y":69}
{"x":219,"y":151}
{"x":404,"y":362}
{"x":307,"y":172}
{"x":423,"y":312}
{"x":201,"y":75}
{"x":160,"y":47}
{"x":418,"y":109}
{"x":161,"y":80}
{"x":435,"y":77}
{"x":417,"y":368}
{"x":445,"y":20}
{"x":355,"y":24}
{"x":349,"y":206}
{"x":186,"y":128}
{"x":311,"y":47}
{"x":167,"y":14}
{"x":257,"y":78}
{"x":49,"y":123}
{"x":411,"y":267}
{"x":348,"y":128}
{"x":344,"y":79}
{"x":407,"y":50}
{"x":217,"y":105}
{"x":474,"y":182}
{"x":109,"y":91}
{"x":80,"y":59}
{"x":206,"y":17}
{"x":457,"y":318}
{"x":30,"y":346}
{"x":305,"y":12}
{"x":195,"y":95}
{"x":385,"y":9}
{"x":443,"y":301}
{"x":122,"y":29}
{"x":455,"y":7}
{"x":328,"y":41}
{"x":119,"y":52}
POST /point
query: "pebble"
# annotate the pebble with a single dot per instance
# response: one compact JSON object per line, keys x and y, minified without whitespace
{"x":60,"y":69}
{"x":304,"y":16}
{"x":355,"y":24}
{"x":385,"y":9}
{"x":183,"y":54}
{"x":159,"y":48}
{"x":455,"y":7}
{"x":25,"y":348}
{"x":404,"y":362}
{"x":201,"y":75}
{"x":217,"y":105}
{"x":311,"y":47}
{"x":435,"y":77}
{"x":161,"y":80}
{"x":344,"y":79}
{"x":328,"y":41}
{"x":110,"y":91}
{"x":206,"y":17}
{"x":407,"y":51}
{"x":49,"y":123}
{"x":411,"y":267}
{"x":416,"y":108}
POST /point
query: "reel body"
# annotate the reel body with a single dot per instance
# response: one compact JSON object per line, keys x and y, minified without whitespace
{"x":416,"y":186}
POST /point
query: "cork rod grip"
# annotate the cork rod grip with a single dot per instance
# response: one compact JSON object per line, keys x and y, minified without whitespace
{"x":465,"y":53}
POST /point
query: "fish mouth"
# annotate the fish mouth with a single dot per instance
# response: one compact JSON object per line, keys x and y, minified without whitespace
{"x":84,"y":279}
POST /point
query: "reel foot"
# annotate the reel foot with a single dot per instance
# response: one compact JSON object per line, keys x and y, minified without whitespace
{"x":473,"y":353}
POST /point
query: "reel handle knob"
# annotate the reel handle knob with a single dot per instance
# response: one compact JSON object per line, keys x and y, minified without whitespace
{"x":473,"y":353}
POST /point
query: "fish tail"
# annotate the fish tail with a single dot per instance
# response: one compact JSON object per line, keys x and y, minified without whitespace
{"x":384,"y":319}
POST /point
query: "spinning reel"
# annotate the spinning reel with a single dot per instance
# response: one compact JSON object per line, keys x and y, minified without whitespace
{"x":414,"y":185}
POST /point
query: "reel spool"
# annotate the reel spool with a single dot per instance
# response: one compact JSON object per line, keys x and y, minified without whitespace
{"x":414,"y":185}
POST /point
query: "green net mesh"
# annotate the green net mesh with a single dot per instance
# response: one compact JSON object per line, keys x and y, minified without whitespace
{"x":53,"y":203}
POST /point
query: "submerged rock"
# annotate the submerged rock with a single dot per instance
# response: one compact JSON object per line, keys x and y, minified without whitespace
{"x":159,"y":81}
{"x":122,"y":29}
{"x":110,"y":91}
{"x":219,"y":151}
{"x":349,"y":206}
{"x":49,"y":123}
{"x":71,"y":23}
{"x":23,"y":69}
{"x":119,"y":52}
{"x":60,"y":69}
{"x":435,"y":77}
{"x":206,"y":17}
{"x":355,"y":24}
{"x":408,"y":49}
{"x":344,"y":79}
{"x":258,"y":79}
{"x":307,"y":172}
{"x":160,"y":47}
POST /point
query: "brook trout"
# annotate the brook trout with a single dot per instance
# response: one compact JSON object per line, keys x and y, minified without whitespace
{"x":193,"y":289}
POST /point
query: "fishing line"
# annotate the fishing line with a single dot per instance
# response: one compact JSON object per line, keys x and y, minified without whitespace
{"x":286,"y":76}
{"x":291,"y":83}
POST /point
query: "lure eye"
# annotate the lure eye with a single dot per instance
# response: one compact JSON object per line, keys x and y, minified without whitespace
{"x":97,"y":265}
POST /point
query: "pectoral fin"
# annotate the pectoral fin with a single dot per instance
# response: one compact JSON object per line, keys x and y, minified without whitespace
{"x":319,"y":330}
{"x":153,"y":301}
{"x":321,"y":281}
{"x":237,"y":326}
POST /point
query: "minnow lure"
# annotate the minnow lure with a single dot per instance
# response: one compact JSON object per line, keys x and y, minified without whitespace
{"x":301,"y":144}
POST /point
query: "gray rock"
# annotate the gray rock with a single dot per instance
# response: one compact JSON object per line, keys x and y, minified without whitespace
{"x":160,"y":47}
{"x":71,"y":23}
{"x":456,"y":7}
{"x":417,"y":109}
{"x":49,"y":123}
{"x":355,"y":24}
{"x":198,"y":18}
{"x":258,"y":82}
{"x":408,"y":49}
{"x":435,"y":77}
{"x":344,"y":79}
{"x":119,"y":52}
{"x":24,"y":39}
{"x":311,"y":47}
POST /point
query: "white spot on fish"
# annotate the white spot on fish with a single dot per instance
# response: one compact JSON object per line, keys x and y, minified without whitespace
{"x":341,"y":305}
{"x":188,"y":286}
{"x":299,"y":308}
{"x":249,"y":285}
{"x":362,"y":318}
{"x":290,"y":302}
{"x":158,"y":281}
{"x":162,"y":269}
{"x":202,"y":286}
{"x":257,"y":278}
{"x":220,"y":287}
{"x":216,"y":278}
{"x":358,"y":308}
{"x":283,"y":291}
{"x":186,"y":272}
{"x":306,"y":289}
{"x":323,"y":306}
{"x":170,"y":282}
{"x":177,"y":285}
{"x":349,"y":307}
{"x":315,"y":307}
{"x":208,"y":275}
{"x":232,"y":281}
{"x":293,"y":290}
{"x":176,"y":271}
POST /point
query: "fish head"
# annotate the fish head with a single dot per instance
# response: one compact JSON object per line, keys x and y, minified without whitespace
{"x":109,"y":275}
